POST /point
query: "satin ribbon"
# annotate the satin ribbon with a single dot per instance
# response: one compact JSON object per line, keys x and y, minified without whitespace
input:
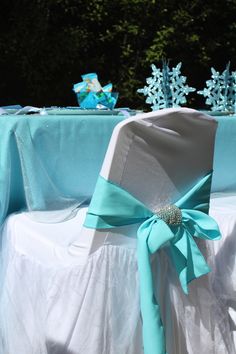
{"x":112,"y":206}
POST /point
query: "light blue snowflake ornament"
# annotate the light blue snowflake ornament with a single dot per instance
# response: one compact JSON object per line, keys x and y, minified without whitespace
{"x":220,"y":92}
{"x":166,"y":87}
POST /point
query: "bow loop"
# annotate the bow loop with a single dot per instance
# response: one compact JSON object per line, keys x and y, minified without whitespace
{"x":204,"y":225}
{"x":156,"y":233}
{"x":184,"y":252}
{"x":178,"y":239}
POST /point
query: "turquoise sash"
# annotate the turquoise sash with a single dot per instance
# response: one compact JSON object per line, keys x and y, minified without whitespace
{"x":112,"y":206}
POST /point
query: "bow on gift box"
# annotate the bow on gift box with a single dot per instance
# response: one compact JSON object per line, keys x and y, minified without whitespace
{"x":173,"y":227}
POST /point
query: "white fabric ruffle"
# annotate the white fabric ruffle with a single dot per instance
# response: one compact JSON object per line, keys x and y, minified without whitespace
{"x":90,"y":309}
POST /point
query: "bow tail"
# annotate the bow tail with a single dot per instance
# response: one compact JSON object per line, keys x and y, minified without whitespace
{"x":188,"y":260}
{"x":153,"y":331}
{"x":152,"y":234}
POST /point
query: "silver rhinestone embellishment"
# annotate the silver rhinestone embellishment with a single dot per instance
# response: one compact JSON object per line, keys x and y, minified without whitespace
{"x":171,"y":214}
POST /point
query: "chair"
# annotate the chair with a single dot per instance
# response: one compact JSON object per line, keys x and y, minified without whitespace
{"x":222,"y":253}
{"x":72,"y":289}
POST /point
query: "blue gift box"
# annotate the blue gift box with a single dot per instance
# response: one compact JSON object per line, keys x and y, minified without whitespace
{"x":91,"y":95}
{"x":91,"y":100}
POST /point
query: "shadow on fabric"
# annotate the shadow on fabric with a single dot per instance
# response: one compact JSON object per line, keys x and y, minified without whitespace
{"x":58,"y":348}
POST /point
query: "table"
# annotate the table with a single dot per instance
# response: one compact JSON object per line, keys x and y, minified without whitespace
{"x":50,"y":162}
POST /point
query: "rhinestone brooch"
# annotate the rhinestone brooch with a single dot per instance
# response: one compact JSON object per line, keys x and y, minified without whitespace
{"x":170,"y":214}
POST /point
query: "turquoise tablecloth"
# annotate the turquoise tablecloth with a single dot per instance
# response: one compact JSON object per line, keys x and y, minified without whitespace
{"x":224,"y":176}
{"x":52,"y":161}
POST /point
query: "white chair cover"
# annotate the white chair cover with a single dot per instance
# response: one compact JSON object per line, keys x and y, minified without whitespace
{"x":222,"y":254}
{"x":71,"y":290}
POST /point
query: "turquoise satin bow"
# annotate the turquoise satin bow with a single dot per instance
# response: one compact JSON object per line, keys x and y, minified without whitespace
{"x":112,"y":206}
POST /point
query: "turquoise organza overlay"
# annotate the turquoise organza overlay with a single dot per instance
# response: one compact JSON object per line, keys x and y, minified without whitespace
{"x":112,"y":206}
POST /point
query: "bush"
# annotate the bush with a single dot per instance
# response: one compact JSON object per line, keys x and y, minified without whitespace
{"x":45,"y":46}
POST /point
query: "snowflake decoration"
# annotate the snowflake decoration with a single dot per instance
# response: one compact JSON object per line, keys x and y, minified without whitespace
{"x":166,"y":87}
{"x":221,"y":90}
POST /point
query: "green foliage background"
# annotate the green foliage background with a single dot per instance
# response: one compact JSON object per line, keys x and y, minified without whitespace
{"x":45,"y":45}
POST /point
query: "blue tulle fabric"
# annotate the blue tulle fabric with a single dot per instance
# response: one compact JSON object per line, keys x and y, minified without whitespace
{"x":51,"y":162}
